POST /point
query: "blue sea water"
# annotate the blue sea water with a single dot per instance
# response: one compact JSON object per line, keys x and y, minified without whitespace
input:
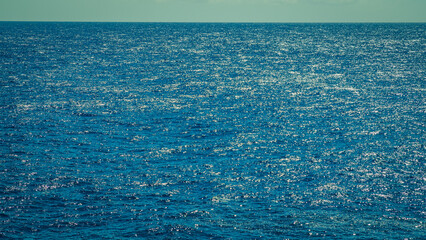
{"x":212,"y":131}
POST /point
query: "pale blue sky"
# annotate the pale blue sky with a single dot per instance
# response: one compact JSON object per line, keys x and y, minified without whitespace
{"x":214,"y":10}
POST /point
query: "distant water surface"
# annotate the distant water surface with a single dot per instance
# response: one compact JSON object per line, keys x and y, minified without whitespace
{"x":212,"y":131}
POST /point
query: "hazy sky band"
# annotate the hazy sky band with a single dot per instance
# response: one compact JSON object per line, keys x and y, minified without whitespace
{"x":214,"y":10}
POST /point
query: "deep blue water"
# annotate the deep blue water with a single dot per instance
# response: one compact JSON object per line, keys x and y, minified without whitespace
{"x":220,"y":131}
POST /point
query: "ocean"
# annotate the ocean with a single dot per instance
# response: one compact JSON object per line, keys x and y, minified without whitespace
{"x":212,"y":131}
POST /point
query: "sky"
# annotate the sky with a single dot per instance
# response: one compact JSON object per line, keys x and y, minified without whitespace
{"x":214,"y":10}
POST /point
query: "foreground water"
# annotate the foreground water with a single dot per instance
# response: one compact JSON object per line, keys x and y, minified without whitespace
{"x":221,"y":131}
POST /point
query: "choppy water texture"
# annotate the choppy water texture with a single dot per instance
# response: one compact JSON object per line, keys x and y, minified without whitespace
{"x":221,"y":131}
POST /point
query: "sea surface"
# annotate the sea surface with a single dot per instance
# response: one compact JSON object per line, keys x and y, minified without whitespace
{"x":212,"y":131}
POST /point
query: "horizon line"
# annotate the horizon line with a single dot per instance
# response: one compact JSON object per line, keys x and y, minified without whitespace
{"x":214,"y":22}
